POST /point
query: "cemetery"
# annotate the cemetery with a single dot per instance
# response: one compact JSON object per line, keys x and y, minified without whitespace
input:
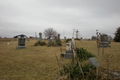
{"x":43,"y":62}
{"x":60,"y":59}
{"x":59,"y":40}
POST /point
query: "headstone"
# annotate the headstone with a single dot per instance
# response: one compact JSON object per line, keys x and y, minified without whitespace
{"x":50,"y":41}
{"x":92,"y":62}
{"x":88,"y":39}
{"x":55,"y":42}
{"x":40,"y":35}
{"x":104,"y":42}
{"x":68,"y":54}
{"x":69,"y":41}
{"x":68,"y":46}
{"x":58,"y":37}
{"x":64,"y":38}
{"x":21,"y":42}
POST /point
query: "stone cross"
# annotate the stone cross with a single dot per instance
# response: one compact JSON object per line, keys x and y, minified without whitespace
{"x":40,"y":35}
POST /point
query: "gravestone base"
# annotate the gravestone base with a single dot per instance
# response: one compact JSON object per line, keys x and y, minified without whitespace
{"x":20,"y":47}
{"x":68,"y":54}
{"x":105,"y":44}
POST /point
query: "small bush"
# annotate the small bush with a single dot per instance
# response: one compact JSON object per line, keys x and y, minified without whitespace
{"x":83,"y":54}
{"x":39,"y":43}
{"x":77,"y":39}
{"x":73,"y":72}
{"x":58,"y":43}
{"x":68,"y":40}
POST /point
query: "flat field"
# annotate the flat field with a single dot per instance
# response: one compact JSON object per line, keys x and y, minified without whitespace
{"x":40,"y":62}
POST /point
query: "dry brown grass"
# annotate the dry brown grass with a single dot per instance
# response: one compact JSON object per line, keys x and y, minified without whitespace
{"x":114,"y":51}
{"x":32,"y":63}
{"x":39,"y":62}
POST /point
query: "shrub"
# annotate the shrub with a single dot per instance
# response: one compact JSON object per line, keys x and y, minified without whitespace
{"x":40,"y":43}
{"x":68,"y":40}
{"x":83,"y":54}
{"x":73,"y":71}
{"x":58,"y":43}
{"x":77,"y":39}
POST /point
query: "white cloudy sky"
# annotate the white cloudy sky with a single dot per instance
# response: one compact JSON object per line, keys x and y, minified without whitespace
{"x":30,"y":16}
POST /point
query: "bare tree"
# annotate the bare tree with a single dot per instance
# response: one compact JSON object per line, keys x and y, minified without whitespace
{"x":50,"y":32}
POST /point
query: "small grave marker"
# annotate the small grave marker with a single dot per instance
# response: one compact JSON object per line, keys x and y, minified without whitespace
{"x":92,"y":62}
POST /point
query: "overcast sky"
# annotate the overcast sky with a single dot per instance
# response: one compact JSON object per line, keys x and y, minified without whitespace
{"x":30,"y":16}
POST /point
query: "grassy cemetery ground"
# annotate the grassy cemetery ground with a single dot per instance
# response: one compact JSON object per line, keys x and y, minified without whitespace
{"x":40,"y":62}
{"x":113,"y":53}
{"x":32,"y":63}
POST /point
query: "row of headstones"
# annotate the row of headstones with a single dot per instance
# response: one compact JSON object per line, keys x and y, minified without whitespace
{"x":21,"y":41}
{"x":40,"y":37}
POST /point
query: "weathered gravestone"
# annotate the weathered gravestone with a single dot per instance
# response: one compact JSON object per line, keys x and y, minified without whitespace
{"x":104,"y":41}
{"x":92,"y":62}
{"x":64,"y":38}
{"x":55,"y":42}
{"x":49,"y":42}
{"x":58,"y":37}
{"x":68,"y":54}
{"x":21,"y":42}
{"x":68,"y":46}
{"x":40,"y":35}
